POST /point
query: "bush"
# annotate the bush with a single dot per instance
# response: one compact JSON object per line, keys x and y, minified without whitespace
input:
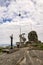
{"x":32,"y":36}
{"x":41,"y":46}
{"x":28,"y":42}
{"x":1,"y":49}
{"x":35,"y":45}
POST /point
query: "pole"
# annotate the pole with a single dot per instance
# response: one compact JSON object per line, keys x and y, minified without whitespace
{"x":11,"y":41}
{"x":20,"y":34}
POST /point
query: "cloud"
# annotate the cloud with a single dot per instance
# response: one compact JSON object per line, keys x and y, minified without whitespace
{"x":13,"y":10}
{"x":5,"y":3}
{"x":31,"y":17}
{"x":30,"y":11}
{"x":6,"y":29}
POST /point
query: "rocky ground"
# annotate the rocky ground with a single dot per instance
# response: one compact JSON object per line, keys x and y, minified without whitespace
{"x":24,"y":56}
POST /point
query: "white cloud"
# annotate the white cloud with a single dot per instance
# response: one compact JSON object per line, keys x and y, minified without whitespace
{"x":31,"y":16}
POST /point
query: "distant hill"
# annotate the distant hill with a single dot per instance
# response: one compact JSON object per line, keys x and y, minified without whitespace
{"x":4,"y":45}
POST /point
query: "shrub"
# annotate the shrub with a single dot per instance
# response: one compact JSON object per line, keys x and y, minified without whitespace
{"x":32,"y":36}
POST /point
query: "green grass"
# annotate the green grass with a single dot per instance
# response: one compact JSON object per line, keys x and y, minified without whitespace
{"x":1,"y":49}
{"x":38,"y":46}
{"x":35,"y":45}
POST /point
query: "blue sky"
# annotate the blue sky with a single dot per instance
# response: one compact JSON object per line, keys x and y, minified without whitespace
{"x":31,"y":17}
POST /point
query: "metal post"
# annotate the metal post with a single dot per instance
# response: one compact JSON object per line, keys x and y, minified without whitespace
{"x":11,"y":41}
{"x":20,"y":34}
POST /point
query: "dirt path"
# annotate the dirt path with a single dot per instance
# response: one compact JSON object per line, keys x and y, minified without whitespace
{"x":22,"y":57}
{"x":34,"y":57}
{"x":11,"y":59}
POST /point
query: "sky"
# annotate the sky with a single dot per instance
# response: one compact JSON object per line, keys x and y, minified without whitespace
{"x":16,"y":14}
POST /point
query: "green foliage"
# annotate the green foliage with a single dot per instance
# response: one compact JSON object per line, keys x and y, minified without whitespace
{"x":35,"y":45}
{"x":41,"y":46}
{"x":1,"y":49}
{"x":32,"y":36}
{"x":22,"y":38}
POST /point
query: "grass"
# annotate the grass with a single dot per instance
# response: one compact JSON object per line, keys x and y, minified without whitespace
{"x":38,"y":46}
{"x":35,"y":45}
{"x":1,"y":49}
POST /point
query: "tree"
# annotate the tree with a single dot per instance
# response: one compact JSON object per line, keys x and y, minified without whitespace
{"x":32,"y":36}
{"x":23,"y":39}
